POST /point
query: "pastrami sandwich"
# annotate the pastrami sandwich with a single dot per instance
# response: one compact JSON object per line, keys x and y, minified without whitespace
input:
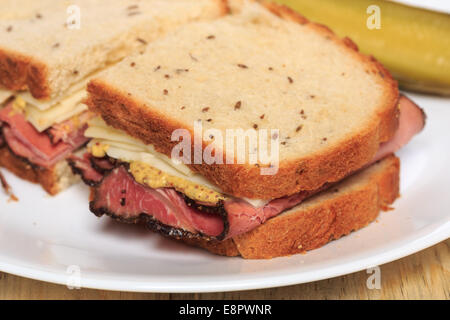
{"x":48,"y":52}
{"x":325,"y":117}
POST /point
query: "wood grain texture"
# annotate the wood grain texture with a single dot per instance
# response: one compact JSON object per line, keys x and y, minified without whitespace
{"x":424,"y":275}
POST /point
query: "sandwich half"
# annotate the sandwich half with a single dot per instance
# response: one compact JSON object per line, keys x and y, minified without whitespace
{"x":334,"y":116}
{"x":48,"y":52}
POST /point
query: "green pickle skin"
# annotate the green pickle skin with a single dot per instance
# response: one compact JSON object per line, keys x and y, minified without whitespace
{"x":413,"y":43}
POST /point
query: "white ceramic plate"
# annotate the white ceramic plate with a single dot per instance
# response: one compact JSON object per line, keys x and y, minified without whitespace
{"x":51,"y":239}
{"x":435,"y":5}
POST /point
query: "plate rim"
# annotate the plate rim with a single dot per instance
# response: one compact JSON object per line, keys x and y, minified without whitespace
{"x":437,"y":235}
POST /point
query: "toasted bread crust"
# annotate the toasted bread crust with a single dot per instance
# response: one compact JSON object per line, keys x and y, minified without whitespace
{"x":19,"y":72}
{"x":47,"y":178}
{"x":122,"y":111}
{"x":313,"y":227}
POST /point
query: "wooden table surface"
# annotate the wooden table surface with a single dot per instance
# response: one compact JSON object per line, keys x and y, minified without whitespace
{"x":424,"y":275}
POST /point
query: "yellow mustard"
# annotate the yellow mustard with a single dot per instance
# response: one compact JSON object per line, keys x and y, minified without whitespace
{"x":155,"y":178}
{"x":76,"y":121}
{"x":98,"y":150}
{"x":18,"y":106}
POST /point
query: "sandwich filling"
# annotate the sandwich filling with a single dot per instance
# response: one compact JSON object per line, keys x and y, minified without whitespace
{"x":44,"y":132}
{"x":133,"y":183}
{"x":43,"y":149}
{"x":118,"y":193}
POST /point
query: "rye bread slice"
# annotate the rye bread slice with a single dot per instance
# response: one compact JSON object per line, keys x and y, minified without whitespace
{"x":262,"y":68}
{"x":350,"y":205}
{"x":41,"y":50}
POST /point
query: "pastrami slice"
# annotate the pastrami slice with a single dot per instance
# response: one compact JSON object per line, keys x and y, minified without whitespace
{"x":120,"y":195}
{"x":83,"y":167}
{"x":37,"y":147}
{"x":411,"y":122}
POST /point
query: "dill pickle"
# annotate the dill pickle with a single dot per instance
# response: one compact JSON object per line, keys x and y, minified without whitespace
{"x":414,"y":44}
